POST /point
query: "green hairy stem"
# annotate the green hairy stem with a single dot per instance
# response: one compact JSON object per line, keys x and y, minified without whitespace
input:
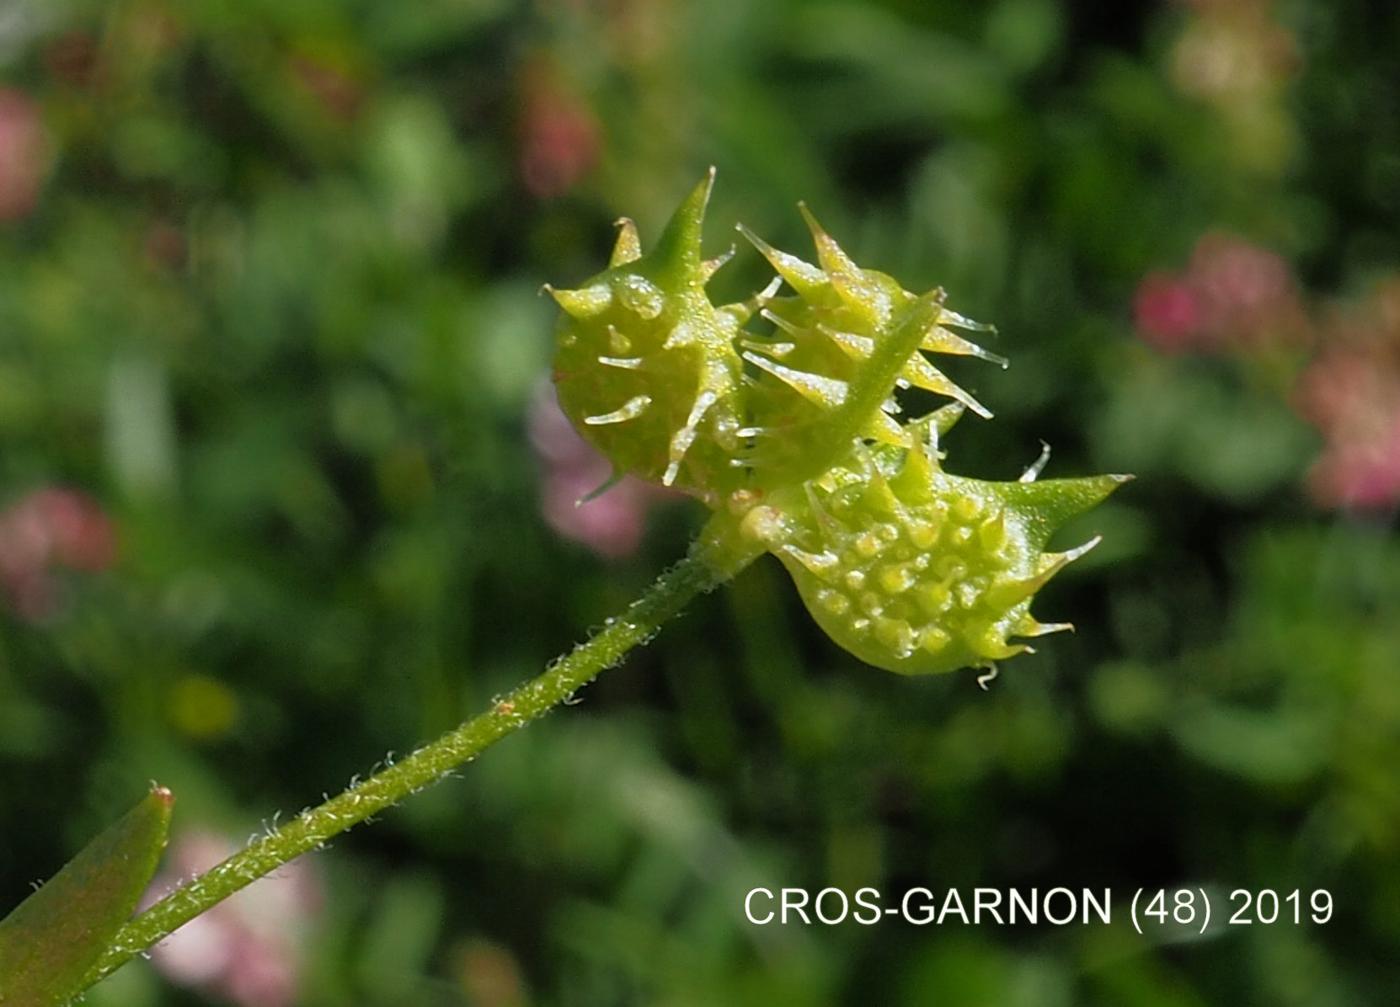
{"x":711,"y":561}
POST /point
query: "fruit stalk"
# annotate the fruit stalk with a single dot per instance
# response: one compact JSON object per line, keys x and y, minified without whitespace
{"x":711,"y":562}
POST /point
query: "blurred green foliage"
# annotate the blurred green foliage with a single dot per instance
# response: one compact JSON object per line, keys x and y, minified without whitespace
{"x":268,"y":297}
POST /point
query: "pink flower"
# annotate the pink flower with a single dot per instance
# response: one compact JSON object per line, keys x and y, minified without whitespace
{"x":1361,"y":473}
{"x":1351,"y":393}
{"x":248,"y":949}
{"x":23,"y":154}
{"x":42,"y":532}
{"x":1247,"y":291}
{"x":1232,"y":295}
{"x":610,"y":524}
{"x":1167,"y":312}
{"x":559,"y":141}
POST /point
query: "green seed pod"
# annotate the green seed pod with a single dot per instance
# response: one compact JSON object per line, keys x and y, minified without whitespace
{"x":916,"y":570}
{"x":840,"y":346}
{"x":645,"y":364}
{"x":794,"y":438}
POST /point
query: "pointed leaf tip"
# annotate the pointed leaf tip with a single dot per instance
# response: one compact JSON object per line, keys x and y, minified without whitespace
{"x":802,"y":276}
{"x":832,"y":256}
{"x":677,"y":253}
{"x":629,"y":244}
{"x":585,"y":302}
{"x":1052,"y":502}
{"x":709,"y":267}
{"x":52,"y":939}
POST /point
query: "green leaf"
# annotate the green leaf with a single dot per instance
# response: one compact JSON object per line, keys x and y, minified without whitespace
{"x":57,"y":934}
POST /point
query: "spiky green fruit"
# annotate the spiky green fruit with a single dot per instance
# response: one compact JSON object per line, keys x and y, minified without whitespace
{"x":841,"y":344}
{"x":794,"y":437}
{"x":646,"y":365}
{"x":914,"y":569}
